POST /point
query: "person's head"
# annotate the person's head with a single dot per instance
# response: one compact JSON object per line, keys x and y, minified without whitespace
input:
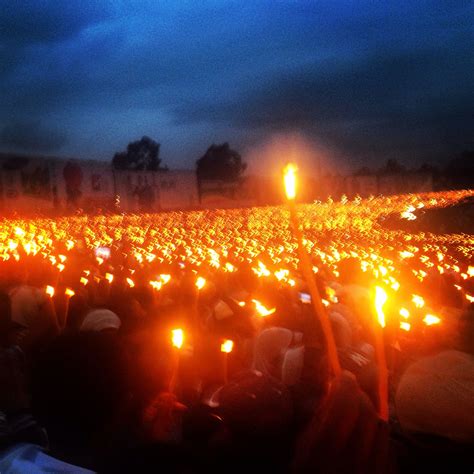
{"x":100,"y":320}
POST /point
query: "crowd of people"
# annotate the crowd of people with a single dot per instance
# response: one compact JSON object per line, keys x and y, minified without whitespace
{"x":91,"y":380}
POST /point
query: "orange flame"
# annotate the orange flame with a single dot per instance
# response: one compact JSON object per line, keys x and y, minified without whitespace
{"x":227,"y":346}
{"x":380,"y":300}
{"x":177,"y":338}
{"x":289,"y":178}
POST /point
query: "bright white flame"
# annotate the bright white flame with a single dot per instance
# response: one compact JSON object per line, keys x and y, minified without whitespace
{"x":289,"y":178}
{"x":227,"y":346}
{"x":380,"y":300}
{"x":262,"y":310}
{"x":431,"y":319}
{"x":177,"y":337}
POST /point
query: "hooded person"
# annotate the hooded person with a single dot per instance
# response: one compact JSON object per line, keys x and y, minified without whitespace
{"x":279,"y":353}
{"x":34,"y":309}
{"x":435,"y":395}
{"x":99,"y":320}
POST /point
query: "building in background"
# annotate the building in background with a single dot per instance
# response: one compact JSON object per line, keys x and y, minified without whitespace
{"x":37,"y":184}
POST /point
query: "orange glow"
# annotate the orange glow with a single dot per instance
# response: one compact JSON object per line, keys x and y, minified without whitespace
{"x":156,"y":285}
{"x":177,"y":338}
{"x":69,"y":292}
{"x":165,"y":278}
{"x":200,"y":282}
{"x":380,"y":300}
{"x":50,"y":291}
{"x":130,"y":282}
{"x":431,"y":319}
{"x":289,"y":178}
{"x":405,"y":326}
{"x":109,"y":277}
{"x":404,"y":313}
{"x":262,"y":310}
{"x":84,"y":281}
{"x":227,"y":346}
{"x":470,"y":271}
{"x":418,"y":301}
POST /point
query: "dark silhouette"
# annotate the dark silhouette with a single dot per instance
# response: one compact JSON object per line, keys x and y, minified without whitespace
{"x":459,"y":172}
{"x":393,"y":167}
{"x":220,"y":162}
{"x":141,"y":155}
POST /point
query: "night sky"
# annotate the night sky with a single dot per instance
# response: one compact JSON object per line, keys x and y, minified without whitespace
{"x":344,"y":83}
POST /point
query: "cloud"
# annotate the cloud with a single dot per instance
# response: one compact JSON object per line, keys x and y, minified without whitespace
{"x":361,"y":78}
{"x":31,"y":136}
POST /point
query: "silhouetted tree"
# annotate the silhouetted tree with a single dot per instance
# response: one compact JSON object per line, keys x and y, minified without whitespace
{"x":393,"y":167}
{"x":363,"y":171}
{"x":220,"y":162}
{"x":141,"y":155}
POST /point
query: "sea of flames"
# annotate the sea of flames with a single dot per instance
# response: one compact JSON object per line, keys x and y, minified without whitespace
{"x":225,"y":239}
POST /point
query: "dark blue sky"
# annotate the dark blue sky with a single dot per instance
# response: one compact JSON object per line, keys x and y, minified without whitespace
{"x":350,"y":82}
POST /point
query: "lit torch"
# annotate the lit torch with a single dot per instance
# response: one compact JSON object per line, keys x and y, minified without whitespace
{"x":306,"y":267}
{"x":380,"y":300}
{"x":177,"y":340}
{"x":226,"y":349}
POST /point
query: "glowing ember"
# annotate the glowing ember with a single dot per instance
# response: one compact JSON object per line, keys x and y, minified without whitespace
{"x":69,"y":292}
{"x":130,"y":282}
{"x":50,"y":291}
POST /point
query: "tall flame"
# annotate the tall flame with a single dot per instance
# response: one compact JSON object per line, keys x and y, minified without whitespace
{"x":177,"y":337}
{"x":289,"y":178}
{"x":380,"y":300}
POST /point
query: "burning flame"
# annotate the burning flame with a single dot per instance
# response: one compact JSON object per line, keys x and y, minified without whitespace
{"x":227,"y":346}
{"x":404,"y":313}
{"x":405,"y":326}
{"x":200,"y":282}
{"x":431,"y":319}
{"x":380,"y":300}
{"x":289,"y":178}
{"x":177,"y":338}
{"x":418,"y":301}
{"x":261,"y":310}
